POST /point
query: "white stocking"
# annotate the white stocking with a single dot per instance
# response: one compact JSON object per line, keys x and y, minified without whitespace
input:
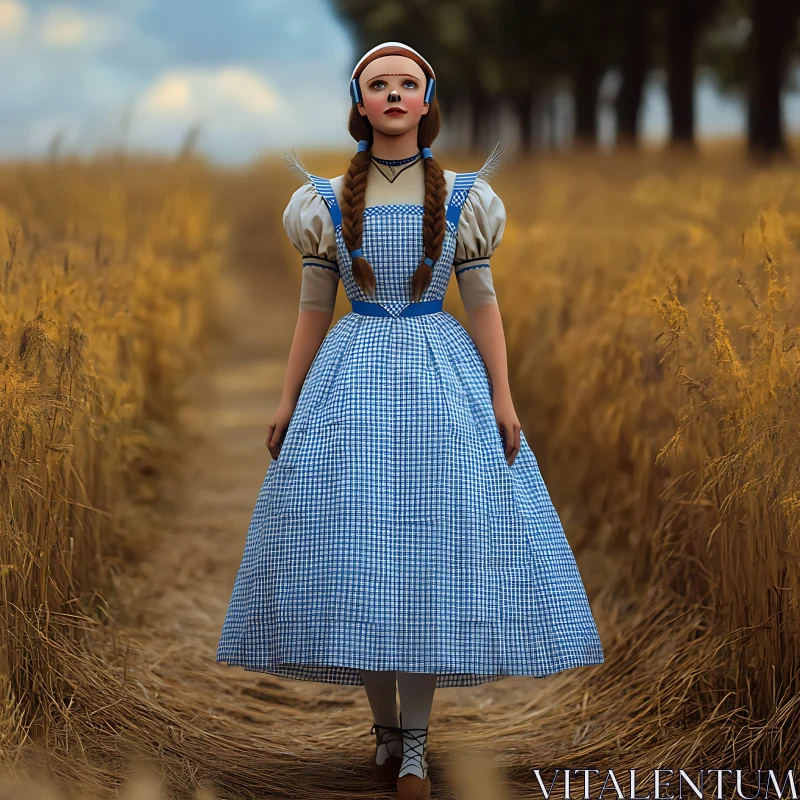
{"x":381,"y":689}
{"x":416,"y":699}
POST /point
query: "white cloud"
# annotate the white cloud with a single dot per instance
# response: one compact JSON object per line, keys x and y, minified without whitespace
{"x":201,"y":92}
{"x":172,"y":92}
{"x":247,"y":88}
{"x":64,"y":27}
{"x":67,"y":27}
{"x":13,"y":16}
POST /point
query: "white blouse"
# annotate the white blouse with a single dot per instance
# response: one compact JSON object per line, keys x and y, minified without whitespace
{"x":480,"y":229}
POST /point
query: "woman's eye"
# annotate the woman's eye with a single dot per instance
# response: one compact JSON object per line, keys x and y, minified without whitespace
{"x":410,"y":85}
{"x":378,"y":85}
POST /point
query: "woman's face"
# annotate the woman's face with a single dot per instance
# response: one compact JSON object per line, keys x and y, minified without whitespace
{"x":393,"y":88}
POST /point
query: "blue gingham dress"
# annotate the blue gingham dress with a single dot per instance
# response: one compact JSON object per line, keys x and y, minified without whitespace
{"x":391,"y":532}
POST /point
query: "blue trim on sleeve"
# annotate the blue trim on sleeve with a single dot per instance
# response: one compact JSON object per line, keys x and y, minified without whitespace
{"x":470,"y":265}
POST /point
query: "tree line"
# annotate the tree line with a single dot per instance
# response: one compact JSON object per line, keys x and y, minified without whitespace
{"x":521,"y":55}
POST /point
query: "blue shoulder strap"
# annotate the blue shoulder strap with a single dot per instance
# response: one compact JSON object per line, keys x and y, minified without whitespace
{"x":325,"y":190}
{"x":461,"y":188}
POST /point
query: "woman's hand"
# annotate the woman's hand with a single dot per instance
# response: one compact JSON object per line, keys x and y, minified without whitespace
{"x":277,"y":428}
{"x":508,"y":423}
{"x":486,"y":326}
{"x":309,"y":333}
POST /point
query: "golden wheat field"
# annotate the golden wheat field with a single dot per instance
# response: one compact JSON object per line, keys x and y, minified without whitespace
{"x":649,"y":308}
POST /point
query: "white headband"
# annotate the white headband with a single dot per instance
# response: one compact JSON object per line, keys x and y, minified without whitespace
{"x":391,"y":44}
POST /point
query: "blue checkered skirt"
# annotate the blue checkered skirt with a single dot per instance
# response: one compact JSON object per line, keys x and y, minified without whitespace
{"x":391,"y":532}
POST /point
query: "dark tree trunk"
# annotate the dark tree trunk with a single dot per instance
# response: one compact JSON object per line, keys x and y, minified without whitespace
{"x":774,"y":24}
{"x":635,"y":66}
{"x":445,"y":107}
{"x":683,"y":24}
{"x":523,"y":108}
{"x":479,"y":104}
{"x":494,"y":121}
{"x":448,"y":107}
{"x":539,"y":120}
{"x":553,"y":109}
{"x":586,"y":87}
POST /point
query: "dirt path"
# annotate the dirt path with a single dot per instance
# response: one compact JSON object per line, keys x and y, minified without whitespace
{"x":176,"y":599}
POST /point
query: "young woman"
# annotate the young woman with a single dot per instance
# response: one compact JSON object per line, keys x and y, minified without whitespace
{"x":403,"y":537}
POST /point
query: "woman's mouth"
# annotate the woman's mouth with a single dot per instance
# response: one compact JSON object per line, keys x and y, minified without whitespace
{"x":394,"y":112}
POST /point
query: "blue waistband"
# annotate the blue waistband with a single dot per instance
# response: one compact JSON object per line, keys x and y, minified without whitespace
{"x":413,"y":310}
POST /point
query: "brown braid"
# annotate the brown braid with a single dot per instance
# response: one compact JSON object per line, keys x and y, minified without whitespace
{"x":355,"y":188}
{"x":433,"y":225}
{"x":354,"y":194}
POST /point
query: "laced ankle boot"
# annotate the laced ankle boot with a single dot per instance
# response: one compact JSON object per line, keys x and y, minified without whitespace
{"x":413,"y":782}
{"x":388,"y":752}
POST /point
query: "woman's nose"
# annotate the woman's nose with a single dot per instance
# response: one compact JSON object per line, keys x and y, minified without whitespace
{"x":394,"y":97}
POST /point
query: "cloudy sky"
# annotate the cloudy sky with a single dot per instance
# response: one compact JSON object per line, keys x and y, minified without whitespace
{"x":256,"y":75}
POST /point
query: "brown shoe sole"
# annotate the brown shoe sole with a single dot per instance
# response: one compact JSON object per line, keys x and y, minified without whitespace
{"x":412,"y":787}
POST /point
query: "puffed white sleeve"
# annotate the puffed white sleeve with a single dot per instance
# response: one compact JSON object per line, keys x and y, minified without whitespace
{"x":480,"y":230}
{"x":310,"y":229}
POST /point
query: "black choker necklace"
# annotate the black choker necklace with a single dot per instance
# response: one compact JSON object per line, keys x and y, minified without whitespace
{"x":395,"y":162}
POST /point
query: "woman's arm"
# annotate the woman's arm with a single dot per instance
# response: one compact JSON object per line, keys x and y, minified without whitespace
{"x":486,"y":330}
{"x":309,"y":333}
{"x":480,"y":230}
{"x":308,"y":224}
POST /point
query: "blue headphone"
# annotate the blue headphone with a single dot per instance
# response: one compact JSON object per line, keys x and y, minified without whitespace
{"x":357,"y":97}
